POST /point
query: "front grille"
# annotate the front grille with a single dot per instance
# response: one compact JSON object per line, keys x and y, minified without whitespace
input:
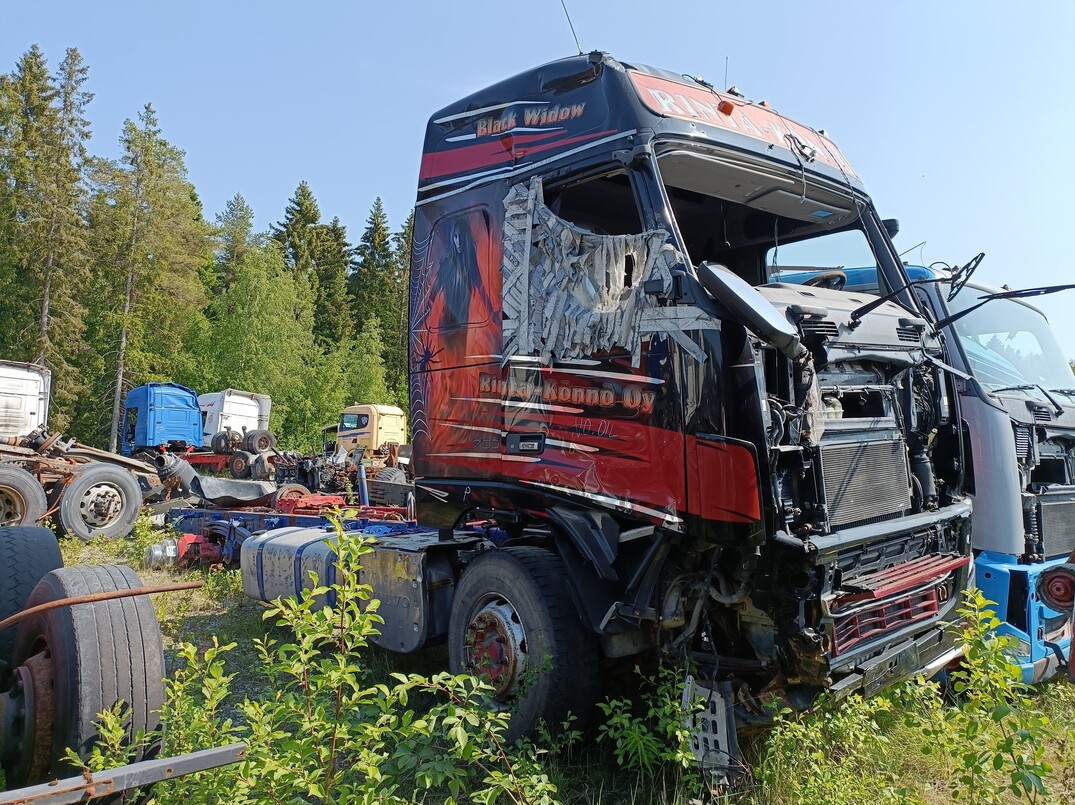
{"x":888,"y":616}
{"x":893,"y":598}
{"x":1058,"y":527}
{"x":865,"y":480}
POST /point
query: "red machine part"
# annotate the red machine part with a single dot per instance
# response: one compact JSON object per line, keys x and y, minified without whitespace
{"x":1056,"y":587}
{"x":196,"y":549}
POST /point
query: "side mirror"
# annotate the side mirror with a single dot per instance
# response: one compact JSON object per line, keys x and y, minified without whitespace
{"x":892,"y":226}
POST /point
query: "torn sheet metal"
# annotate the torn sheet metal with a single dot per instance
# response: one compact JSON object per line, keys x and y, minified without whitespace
{"x":569,"y":293}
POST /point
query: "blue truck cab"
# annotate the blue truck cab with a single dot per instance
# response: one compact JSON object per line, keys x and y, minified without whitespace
{"x":1017,"y":400}
{"x":161,"y":414}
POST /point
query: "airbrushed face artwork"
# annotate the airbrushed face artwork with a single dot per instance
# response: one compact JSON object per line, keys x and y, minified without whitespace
{"x":455,"y":330}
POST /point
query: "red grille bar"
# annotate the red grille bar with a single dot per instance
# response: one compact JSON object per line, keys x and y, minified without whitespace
{"x":874,"y":621}
{"x":895,"y":607}
{"x":892,"y":580}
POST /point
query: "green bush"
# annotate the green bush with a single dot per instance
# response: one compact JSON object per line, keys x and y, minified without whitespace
{"x":322,"y":734}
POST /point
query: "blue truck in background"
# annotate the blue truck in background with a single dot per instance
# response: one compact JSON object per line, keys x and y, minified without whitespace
{"x":1017,"y":400}
{"x":159,"y":414}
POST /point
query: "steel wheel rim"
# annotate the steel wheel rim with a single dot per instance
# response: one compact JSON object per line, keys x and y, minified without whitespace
{"x":101,"y":505}
{"x":12,"y":507}
{"x":495,"y":647}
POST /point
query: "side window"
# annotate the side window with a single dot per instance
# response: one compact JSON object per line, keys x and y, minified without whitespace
{"x":460,"y":296}
{"x":576,"y":286}
{"x":603,"y":205}
{"x":130,"y":424}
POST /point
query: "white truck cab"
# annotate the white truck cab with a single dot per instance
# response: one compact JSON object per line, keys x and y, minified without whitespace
{"x":231,"y":409}
{"x":24,"y":397}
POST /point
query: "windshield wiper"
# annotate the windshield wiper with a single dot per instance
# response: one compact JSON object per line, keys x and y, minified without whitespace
{"x":1027,"y":387}
{"x":1069,"y":392}
{"x":1021,"y":294}
{"x":873,"y":304}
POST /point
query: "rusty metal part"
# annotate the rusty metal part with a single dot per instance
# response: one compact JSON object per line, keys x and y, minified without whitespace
{"x":27,"y":715}
{"x":89,"y":786}
{"x":93,"y":597}
{"x":40,"y":716}
{"x":496,"y":646}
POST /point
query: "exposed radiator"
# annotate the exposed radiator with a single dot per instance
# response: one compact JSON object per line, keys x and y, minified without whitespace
{"x":1058,"y":527}
{"x":865,"y":480}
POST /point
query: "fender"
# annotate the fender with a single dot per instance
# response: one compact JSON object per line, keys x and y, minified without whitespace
{"x":593,"y":533}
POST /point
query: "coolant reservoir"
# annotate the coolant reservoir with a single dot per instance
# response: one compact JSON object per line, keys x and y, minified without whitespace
{"x":834,"y":409}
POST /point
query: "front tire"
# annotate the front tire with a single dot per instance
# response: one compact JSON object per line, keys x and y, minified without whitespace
{"x":513,"y":624}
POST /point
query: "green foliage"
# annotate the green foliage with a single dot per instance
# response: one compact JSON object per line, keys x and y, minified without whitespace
{"x":996,"y":736}
{"x":323,"y":731}
{"x":657,"y":737}
{"x":829,"y":756}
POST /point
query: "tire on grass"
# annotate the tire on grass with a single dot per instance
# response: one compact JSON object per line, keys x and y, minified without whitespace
{"x":513,"y":624}
{"x":92,"y":655}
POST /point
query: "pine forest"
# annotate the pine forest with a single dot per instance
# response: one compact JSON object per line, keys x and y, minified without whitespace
{"x":112,"y":275}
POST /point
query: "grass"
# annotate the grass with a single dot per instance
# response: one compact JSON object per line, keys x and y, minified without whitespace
{"x":882,"y":750}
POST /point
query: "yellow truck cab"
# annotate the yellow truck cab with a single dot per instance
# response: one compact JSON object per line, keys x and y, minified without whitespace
{"x":371,"y":427}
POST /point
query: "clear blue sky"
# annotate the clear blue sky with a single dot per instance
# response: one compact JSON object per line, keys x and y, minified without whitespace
{"x":957,"y":115}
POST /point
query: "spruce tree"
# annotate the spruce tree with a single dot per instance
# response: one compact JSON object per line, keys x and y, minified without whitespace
{"x":151,"y":242}
{"x":235,"y":236}
{"x":43,"y":154}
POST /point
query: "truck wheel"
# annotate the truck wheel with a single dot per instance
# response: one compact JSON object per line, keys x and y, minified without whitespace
{"x":73,"y":662}
{"x":102,"y":501}
{"x":288,"y":492}
{"x":513,"y":624}
{"x":262,"y":466}
{"x":26,"y":554}
{"x":22,"y":500}
{"x":393,"y":475}
{"x":219,"y":443}
{"x":259,"y":441}
{"x":240,"y":464}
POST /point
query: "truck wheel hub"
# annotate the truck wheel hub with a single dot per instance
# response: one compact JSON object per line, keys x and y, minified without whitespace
{"x":100,"y":506}
{"x":496,"y":646}
{"x":11,"y":507}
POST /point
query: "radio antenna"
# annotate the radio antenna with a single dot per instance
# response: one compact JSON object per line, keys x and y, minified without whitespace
{"x":726,"y":84}
{"x":571,"y":25}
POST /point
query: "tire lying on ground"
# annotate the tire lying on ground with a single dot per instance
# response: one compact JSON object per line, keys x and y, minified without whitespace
{"x":513,"y":624}
{"x":26,"y":555}
{"x":101,"y":501}
{"x":22,"y":500}
{"x":87,"y":657}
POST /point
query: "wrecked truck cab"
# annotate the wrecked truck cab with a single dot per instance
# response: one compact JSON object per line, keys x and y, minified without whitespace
{"x":677,"y":455}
